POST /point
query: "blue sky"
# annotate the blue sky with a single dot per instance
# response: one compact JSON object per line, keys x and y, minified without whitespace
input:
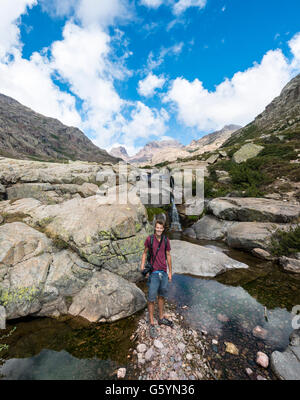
{"x":127,"y":72}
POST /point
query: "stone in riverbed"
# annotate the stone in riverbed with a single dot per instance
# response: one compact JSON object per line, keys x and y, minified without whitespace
{"x":181,"y":346}
{"x":290,"y":264}
{"x":262,"y":359}
{"x":158,"y":344}
{"x":231,"y":348}
{"x":222,"y":318}
{"x":249,"y":371}
{"x":286,"y":365}
{"x":173,"y":376}
{"x":141,"y":348}
{"x":121,"y":373}
{"x":150,"y":354}
{"x":260,"y":332}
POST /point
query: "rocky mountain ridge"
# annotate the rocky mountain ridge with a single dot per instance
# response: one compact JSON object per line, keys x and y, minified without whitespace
{"x":25,"y":134}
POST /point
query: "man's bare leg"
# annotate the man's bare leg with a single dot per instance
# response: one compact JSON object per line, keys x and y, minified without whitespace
{"x":161,"y":302}
{"x":151,"y":312}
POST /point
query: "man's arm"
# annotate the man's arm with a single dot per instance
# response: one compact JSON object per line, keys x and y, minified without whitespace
{"x":144,"y":256}
{"x":169,"y":265}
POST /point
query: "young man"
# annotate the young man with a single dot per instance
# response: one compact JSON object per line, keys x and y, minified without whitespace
{"x":158,"y":279}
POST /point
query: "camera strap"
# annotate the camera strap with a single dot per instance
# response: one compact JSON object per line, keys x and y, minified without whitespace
{"x":161,"y":239}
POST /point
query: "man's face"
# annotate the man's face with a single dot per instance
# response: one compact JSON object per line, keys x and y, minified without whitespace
{"x":159,"y":229}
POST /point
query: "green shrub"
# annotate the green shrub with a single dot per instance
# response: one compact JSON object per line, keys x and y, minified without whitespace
{"x":285,"y":243}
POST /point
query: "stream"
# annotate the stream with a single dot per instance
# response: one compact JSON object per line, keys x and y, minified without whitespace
{"x":228,"y":307}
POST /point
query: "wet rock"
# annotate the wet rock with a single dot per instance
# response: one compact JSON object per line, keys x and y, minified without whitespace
{"x":149,"y":355}
{"x":260,"y":378}
{"x":286,"y":365}
{"x":121,"y":373}
{"x":214,"y":341}
{"x":263,"y":254}
{"x":262,"y":359}
{"x":158,"y":344}
{"x":190,"y":233}
{"x":231,"y":348}
{"x":222,"y":318}
{"x":290,"y":264}
{"x":141,"y":348}
{"x":173,"y":375}
{"x":260,"y":332}
{"x":181,"y":346}
{"x":249,"y":371}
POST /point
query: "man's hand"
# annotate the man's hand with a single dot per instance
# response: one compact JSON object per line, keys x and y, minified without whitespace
{"x":170,"y":277}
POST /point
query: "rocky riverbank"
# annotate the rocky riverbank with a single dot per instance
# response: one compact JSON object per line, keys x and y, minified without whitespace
{"x":183,"y":353}
{"x":178,"y":353}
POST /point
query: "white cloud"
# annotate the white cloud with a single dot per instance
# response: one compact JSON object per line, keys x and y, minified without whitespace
{"x":148,"y":85}
{"x":145,"y":122}
{"x":58,"y":8}
{"x":82,"y":60}
{"x":154,"y":62}
{"x":239,"y":99}
{"x":294,"y":44}
{"x":103,"y":12}
{"x":151,"y":3}
{"x":182,"y":5}
{"x":29,"y":82}
{"x":10,"y":12}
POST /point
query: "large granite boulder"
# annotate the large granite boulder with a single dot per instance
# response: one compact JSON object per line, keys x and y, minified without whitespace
{"x":192,"y":259}
{"x":37,"y":278}
{"x":253,"y":209}
{"x":286,"y":365}
{"x":247,"y":151}
{"x":251,"y":235}
{"x":212,"y":228}
{"x":107,"y":298}
{"x":107,"y":235}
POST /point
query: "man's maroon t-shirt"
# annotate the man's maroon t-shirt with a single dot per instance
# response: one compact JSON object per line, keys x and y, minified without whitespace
{"x":160,"y":262}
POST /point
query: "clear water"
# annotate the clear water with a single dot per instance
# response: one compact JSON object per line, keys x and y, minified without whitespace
{"x":66,"y":348}
{"x":262,"y":295}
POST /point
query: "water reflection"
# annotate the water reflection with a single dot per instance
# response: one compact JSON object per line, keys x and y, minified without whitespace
{"x":224,"y":310}
{"x":53,"y":365}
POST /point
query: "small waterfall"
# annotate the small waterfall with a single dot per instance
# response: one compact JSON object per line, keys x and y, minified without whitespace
{"x":175,"y":222}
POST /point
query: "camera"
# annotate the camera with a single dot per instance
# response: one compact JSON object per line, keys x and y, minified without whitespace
{"x":148,"y":268}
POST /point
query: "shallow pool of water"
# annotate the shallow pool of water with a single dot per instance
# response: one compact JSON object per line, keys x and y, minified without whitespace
{"x":231,"y":305}
{"x":65,"y":348}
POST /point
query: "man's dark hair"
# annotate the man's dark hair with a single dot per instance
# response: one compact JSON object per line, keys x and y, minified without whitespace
{"x":160,"y":221}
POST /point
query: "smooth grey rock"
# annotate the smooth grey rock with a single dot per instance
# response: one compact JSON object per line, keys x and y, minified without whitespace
{"x":189,"y":258}
{"x":252,"y":209}
{"x":213,"y":158}
{"x":251,"y":235}
{"x":190,"y":232}
{"x":150,"y":354}
{"x":247,"y":151}
{"x":141,"y":348}
{"x":286,"y":365}
{"x":290,"y":264}
{"x":107,"y":297}
{"x":2,"y":318}
{"x":211,"y":228}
